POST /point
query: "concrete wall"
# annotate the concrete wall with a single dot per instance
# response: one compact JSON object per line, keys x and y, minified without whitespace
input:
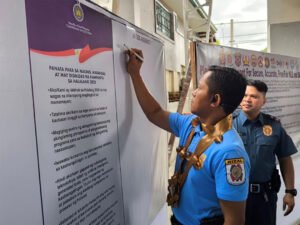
{"x":285,"y":38}
{"x":283,"y":27}
{"x":280,"y":11}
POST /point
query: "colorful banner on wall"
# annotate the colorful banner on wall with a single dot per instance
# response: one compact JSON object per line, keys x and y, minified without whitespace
{"x":280,"y":73}
{"x":74,"y":97}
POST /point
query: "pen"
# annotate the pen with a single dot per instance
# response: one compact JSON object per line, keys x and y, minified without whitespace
{"x":137,"y":55}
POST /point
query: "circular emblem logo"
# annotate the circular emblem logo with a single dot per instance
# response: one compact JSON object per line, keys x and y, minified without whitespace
{"x":260,"y":61}
{"x":253,"y":60}
{"x":236,"y":173}
{"x":78,"y":12}
{"x":267,"y":130}
{"x":267,"y":62}
{"x":238,"y":58}
{"x":222,"y":57}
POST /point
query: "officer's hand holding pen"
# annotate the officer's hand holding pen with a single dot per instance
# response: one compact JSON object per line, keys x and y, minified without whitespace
{"x":134,"y":64}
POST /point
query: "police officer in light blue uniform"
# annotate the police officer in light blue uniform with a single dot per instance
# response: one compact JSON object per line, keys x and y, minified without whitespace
{"x":223,"y":174}
{"x":220,"y":174}
{"x":265,"y":139}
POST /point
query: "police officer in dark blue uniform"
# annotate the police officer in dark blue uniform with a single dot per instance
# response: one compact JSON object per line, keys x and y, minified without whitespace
{"x":264,"y":140}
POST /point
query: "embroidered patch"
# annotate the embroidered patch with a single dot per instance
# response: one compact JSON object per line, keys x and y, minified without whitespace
{"x":235,"y":171}
{"x":267,"y":130}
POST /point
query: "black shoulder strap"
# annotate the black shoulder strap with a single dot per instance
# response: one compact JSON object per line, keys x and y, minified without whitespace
{"x":271,"y":117}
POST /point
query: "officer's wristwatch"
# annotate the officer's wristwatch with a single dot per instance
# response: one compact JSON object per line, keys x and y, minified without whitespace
{"x":291,"y":191}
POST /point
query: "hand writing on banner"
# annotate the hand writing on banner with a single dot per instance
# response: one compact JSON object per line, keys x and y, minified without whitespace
{"x":135,"y":53}
{"x":134,"y":63}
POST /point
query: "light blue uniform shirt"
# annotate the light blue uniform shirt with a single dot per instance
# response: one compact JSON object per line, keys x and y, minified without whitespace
{"x":264,"y":138}
{"x":202,"y":188}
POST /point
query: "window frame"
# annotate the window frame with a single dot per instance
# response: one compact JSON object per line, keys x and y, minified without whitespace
{"x":169,"y":31}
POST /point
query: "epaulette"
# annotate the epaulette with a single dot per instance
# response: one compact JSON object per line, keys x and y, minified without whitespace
{"x":271,"y":117}
{"x":235,"y":114}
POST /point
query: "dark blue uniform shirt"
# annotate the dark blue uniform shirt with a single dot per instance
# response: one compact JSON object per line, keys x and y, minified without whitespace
{"x":264,"y":139}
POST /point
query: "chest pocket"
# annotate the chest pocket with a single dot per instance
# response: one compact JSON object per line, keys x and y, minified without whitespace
{"x":266,"y":147}
{"x":266,"y":141}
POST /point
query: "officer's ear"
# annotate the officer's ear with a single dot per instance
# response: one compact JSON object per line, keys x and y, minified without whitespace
{"x":215,"y":100}
{"x":264,"y":99}
{"x":212,"y":98}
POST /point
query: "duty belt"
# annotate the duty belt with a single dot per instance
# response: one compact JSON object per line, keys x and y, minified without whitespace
{"x":257,"y":188}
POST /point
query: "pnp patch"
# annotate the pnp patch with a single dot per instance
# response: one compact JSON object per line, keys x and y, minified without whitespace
{"x":235,"y":171}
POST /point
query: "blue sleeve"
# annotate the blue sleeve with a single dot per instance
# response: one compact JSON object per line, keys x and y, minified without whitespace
{"x":231,"y":171}
{"x":179,"y":122}
{"x":286,"y":146}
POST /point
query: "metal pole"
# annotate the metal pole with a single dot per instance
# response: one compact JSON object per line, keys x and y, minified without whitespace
{"x":208,"y":20}
{"x":231,"y":33}
{"x":186,"y":38}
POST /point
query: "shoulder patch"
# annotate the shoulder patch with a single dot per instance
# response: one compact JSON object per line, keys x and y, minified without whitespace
{"x":235,"y":171}
{"x":271,"y":117}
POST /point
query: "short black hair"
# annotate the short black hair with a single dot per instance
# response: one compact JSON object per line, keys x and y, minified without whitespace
{"x":229,"y":84}
{"x":259,"y":85}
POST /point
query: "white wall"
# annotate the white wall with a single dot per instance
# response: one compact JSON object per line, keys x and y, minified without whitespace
{"x":138,"y":12}
{"x":284,"y":38}
{"x":280,"y":11}
{"x":283,"y":27}
{"x":174,"y":50}
{"x":126,"y":10}
{"x":18,"y":161}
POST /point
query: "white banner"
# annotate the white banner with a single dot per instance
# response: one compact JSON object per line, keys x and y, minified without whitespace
{"x":144,"y":161}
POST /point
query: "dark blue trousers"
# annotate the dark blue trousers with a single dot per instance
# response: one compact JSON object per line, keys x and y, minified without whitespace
{"x":259,"y":211}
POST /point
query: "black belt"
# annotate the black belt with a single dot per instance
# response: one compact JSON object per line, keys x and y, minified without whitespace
{"x":257,"y":188}
{"x":218,"y":220}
